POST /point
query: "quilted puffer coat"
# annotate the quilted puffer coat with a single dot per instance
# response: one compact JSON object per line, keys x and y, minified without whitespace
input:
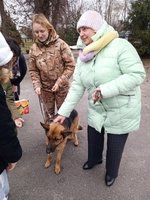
{"x":118,"y":72}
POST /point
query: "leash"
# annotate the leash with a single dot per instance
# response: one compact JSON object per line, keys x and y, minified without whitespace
{"x":42,"y":107}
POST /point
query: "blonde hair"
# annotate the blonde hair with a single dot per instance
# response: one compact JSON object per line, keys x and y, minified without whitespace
{"x":43,"y":21}
{"x":6,"y":72}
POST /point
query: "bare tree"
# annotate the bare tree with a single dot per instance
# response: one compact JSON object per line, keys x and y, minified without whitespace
{"x":114,"y":11}
{"x":42,"y":6}
{"x":8,"y":27}
{"x":99,"y":5}
{"x":59,"y":11}
{"x":53,"y":10}
{"x":108,"y":10}
{"x":3,"y":15}
{"x":63,"y":13}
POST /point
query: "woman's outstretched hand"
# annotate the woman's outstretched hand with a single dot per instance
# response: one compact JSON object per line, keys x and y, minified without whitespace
{"x":59,"y":119}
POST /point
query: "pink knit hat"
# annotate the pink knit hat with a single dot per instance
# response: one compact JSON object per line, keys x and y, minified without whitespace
{"x":91,"y":19}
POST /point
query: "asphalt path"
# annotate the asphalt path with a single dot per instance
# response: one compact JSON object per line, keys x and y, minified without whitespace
{"x":31,"y":181}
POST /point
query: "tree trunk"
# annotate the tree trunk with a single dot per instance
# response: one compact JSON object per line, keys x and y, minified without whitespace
{"x":42,"y":6}
{"x":3,"y":17}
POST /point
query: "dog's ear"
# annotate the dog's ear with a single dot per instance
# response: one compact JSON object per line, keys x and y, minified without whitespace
{"x":45,"y":126}
{"x":66,"y":133}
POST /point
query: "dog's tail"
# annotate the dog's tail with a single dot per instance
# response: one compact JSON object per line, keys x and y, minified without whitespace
{"x":80,"y":128}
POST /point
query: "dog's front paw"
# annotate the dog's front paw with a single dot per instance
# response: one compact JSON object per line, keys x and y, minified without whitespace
{"x":75,"y":140}
{"x":47,"y":164}
{"x":76,"y":143}
{"x":57,"y":170}
{"x":48,"y":161}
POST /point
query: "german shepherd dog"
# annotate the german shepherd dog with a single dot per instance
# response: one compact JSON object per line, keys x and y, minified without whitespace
{"x":57,"y":135}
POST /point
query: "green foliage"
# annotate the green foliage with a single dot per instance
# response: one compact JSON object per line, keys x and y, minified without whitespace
{"x":140,"y":15}
{"x":141,"y":40}
{"x":139,"y":24}
{"x":69,"y":35}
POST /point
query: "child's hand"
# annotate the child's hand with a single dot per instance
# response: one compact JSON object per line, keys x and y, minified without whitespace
{"x":11,"y":166}
{"x":14,"y":88}
{"x":19,"y":122}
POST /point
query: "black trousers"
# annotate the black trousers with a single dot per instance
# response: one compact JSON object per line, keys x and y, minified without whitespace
{"x":16,"y":94}
{"x":115,"y":147}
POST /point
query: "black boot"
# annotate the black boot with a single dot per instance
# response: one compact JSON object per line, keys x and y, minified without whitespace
{"x":95,"y":148}
{"x":109,"y":181}
{"x":87,"y":166}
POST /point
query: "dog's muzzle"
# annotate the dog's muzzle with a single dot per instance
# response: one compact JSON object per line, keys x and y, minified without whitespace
{"x":49,"y":149}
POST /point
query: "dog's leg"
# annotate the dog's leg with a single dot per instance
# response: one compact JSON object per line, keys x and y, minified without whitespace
{"x":60,"y":150}
{"x":46,"y":140}
{"x":74,"y":129}
{"x":75,"y":138}
{"x":49,"y":157}
{"x":48,"y":161}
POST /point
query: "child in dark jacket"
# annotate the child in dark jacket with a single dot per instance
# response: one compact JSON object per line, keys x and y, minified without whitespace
{"x":19,"y":67}
{"x":10,"y":149}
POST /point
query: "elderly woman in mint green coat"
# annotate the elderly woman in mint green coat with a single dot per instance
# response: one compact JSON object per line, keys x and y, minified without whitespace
{"x":110,"y":70}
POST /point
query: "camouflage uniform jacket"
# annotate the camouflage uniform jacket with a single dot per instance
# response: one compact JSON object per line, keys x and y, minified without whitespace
{"x":50,"y":64}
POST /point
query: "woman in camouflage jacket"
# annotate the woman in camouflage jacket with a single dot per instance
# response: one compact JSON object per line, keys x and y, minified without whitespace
{"x":51,"y":64}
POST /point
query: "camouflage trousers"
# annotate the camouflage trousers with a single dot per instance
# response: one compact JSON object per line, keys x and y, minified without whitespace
{"x":53,"y":100}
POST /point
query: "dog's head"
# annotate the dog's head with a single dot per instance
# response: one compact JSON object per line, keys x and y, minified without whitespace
{"x":56,"y":133}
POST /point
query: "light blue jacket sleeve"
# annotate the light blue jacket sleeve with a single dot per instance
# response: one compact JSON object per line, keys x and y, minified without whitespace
{"x":75,"y":93}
